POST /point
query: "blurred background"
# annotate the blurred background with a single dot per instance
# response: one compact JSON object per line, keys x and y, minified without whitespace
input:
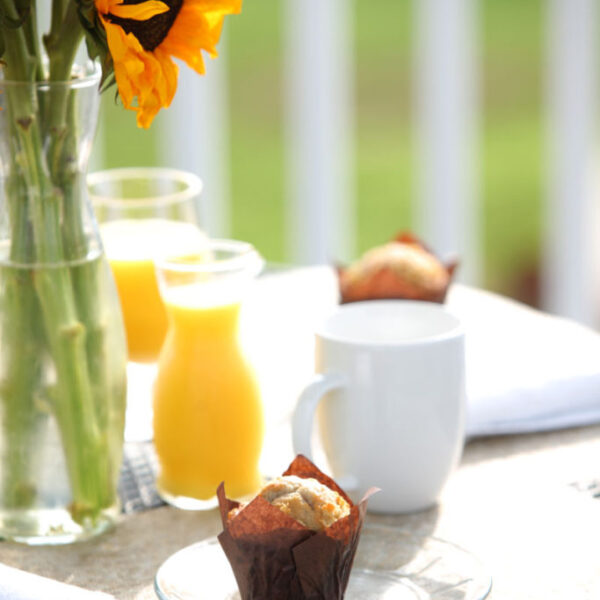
{"x":326,"y":126}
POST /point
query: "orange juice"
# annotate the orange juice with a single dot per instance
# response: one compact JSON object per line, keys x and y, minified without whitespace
{"x":131,"y":247}
{"x":208,"y":421}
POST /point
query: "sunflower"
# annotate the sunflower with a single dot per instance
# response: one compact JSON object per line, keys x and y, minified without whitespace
{"x":144,"y":35}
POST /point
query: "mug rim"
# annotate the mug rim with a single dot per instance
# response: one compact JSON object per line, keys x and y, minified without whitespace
{"x":455,"y":332}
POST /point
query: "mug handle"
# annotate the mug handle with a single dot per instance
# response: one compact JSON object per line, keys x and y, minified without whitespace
{"x":304,"y":414}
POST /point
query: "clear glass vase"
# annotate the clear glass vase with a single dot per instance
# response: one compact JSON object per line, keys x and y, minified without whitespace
{"x":62,"y":342}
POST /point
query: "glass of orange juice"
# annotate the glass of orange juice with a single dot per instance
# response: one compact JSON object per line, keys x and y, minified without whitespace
{"x":208,"y":417}
{"x":144,"y":214}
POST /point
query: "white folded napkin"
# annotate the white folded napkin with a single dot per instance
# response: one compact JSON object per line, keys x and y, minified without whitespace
{"x":526,"y":370}
{"x":20,"y":585}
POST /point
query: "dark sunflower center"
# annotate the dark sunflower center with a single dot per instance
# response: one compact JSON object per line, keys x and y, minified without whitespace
{"x":152,"y":32}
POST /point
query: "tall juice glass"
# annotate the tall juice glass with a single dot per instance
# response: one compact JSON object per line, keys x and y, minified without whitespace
{"x":208,"y":418}
{"x":145,"y":214}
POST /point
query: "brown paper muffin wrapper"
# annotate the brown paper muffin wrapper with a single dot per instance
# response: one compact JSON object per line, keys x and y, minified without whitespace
{"x":274,"y":557}
{"x":386,"y":284}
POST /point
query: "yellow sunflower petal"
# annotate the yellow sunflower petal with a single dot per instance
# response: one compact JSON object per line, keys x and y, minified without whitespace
{"x":157,"y":86}
{"x":139,"y":12}
{"x":125,"y":51}
{"x":192,"y":32}
{"x":147,"y":111}
{"x":152,"y":83}
{"x":104,"y":6}
{"x":169,"y":72}
{"x":222,"y":6}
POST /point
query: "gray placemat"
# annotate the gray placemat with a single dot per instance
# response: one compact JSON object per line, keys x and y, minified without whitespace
{"x":137,"y":483}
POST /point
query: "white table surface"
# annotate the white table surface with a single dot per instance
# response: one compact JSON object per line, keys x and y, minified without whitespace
{"x":513,"y":500}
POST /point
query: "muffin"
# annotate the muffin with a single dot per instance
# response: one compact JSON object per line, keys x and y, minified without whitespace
{"x":296,"y":540}
{"x":402,"y":268}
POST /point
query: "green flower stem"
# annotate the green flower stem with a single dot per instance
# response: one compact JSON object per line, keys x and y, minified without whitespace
{"x":58,"y":13}
{"x":62,"y":51}
{"x":109,"y":404}
{"x":19,"y":64}
{"x":20,"y":325}
{"x":33,"y":41}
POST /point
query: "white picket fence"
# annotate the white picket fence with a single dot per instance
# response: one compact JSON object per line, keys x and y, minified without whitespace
{"x":319,"y":113}
{"x":572,"y":252}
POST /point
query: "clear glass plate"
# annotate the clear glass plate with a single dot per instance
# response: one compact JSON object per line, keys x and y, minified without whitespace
{"x":390,"y":564}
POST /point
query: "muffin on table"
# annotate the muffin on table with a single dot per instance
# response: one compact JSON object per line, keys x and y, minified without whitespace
{"x":401,"y":269}
{"x":296,"y":540}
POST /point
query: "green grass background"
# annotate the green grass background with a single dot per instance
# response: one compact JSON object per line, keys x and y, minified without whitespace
{"x":511,"y":142}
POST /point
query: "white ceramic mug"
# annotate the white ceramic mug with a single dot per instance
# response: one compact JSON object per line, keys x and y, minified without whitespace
{"x":390,"y":387}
